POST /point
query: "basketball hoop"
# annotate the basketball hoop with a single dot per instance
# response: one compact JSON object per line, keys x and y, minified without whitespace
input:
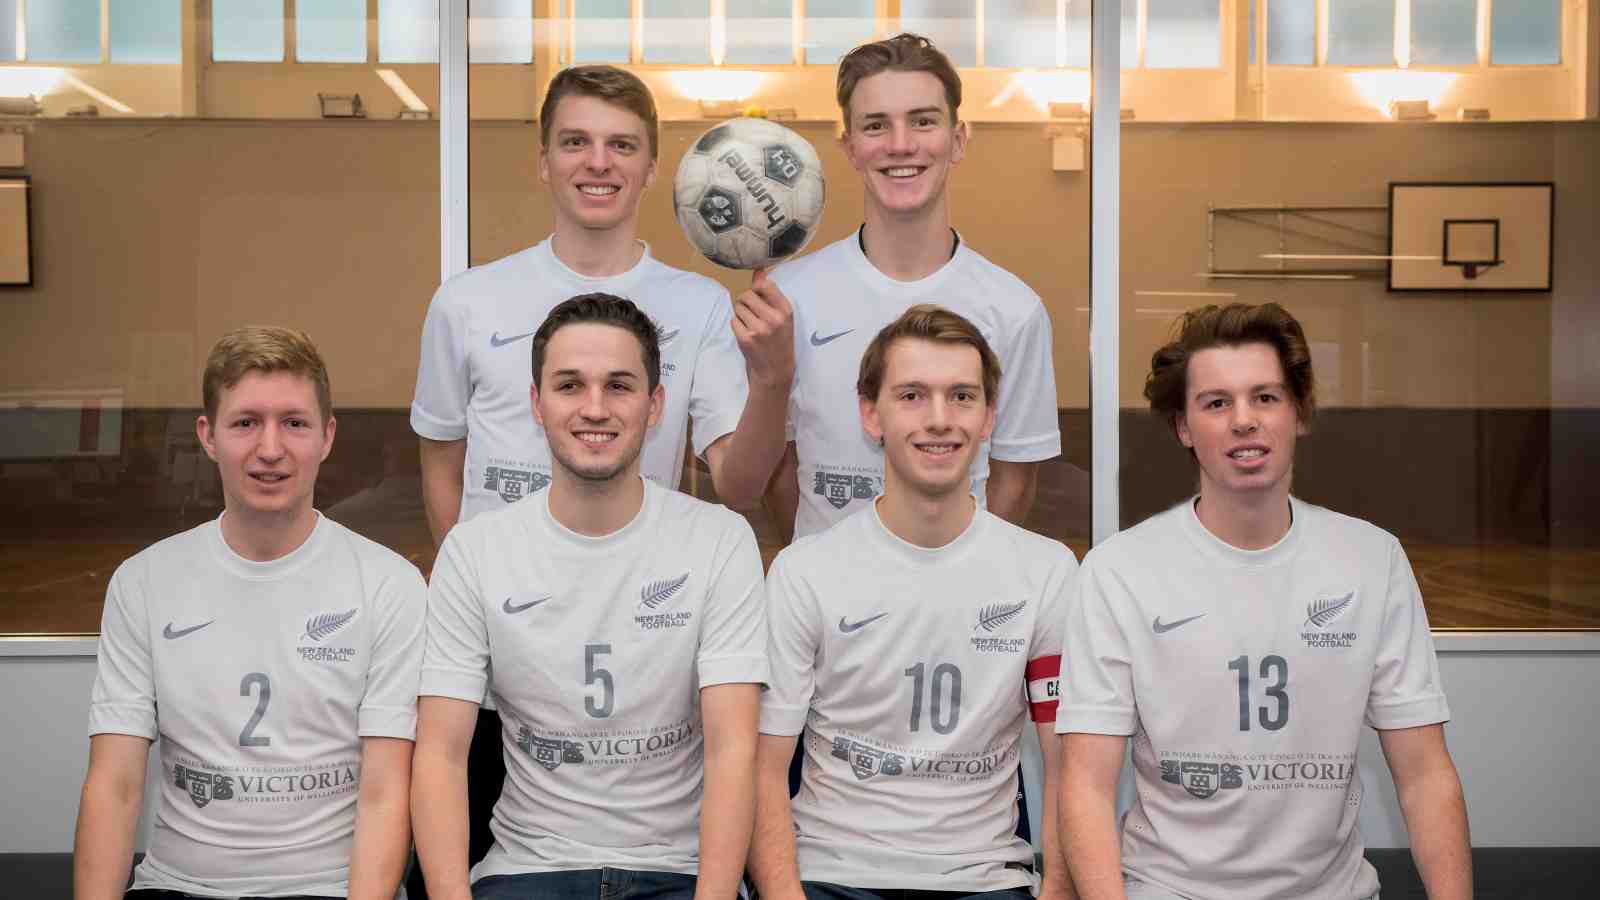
{"x":1471,"y":245}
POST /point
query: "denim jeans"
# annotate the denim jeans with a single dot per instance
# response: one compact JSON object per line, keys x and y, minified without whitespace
{"x":586,"y":884}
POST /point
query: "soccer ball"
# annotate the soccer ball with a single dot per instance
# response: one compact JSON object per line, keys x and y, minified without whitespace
{"x":749,"y":193}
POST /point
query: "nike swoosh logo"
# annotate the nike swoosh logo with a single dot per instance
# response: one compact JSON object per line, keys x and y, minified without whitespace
{"x":495,"y":340}
{"x":170,"y":634}
{"x":819,"y":341}
{"x":848,"y":627}
{"x":508,"y":607}
{"x":1159,"y":628}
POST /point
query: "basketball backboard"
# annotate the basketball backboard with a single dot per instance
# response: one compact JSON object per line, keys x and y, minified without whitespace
{"x":1460,"y":236}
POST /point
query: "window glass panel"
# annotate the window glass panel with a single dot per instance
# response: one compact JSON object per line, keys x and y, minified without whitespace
{"x":1130,"y":34}
{"x":247,"y":30}
{"x":1292,"y":32}
{"x":500,"y":31}
{"x":146,"y":31}
{"x":64,"y":31}
{"x":408,"y":31}
{"x":833,"y":27}
{"x":601,"y":31}
{"x":950,"y":24}
{"x":8,"y":30}
{"x":1444,"y":32}
{"x":1076,"y":41}
{"x":677,"y":31}
{"x":1019,"y":33}
{"x":1361,"y":32}
{"x":760,"y":32}
{"x":1183,"y":34}
{"x":1527,"y":33}
{"x":330,"y":31}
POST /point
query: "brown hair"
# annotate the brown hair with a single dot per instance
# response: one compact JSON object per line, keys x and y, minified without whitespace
{"x":1167,"y":385}
{"x":607,"y":83}
{"x":927,"y":322}
{"x":901,"y":53}
{"x":263,"y":348}
{"x":603,"y":309}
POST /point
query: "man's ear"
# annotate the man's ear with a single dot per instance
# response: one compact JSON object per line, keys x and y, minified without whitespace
{"x":205,"y":433}
{"x":1180,"y":426}
{"x":533,"y":400}
{"x":958,"y":152}
{"x":869,"y":419}
{"x":658,"y":402}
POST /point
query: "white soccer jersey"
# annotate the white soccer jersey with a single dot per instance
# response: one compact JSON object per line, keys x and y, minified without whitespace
{"x":476,"y":367}
{"x":1244,"y":678}
{"x":259,"y":680}
{"x":909,"y":672}
{"x":841,"y":302}
{"x":600,"y":647}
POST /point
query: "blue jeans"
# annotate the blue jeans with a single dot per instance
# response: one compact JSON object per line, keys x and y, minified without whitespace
{"x":586,"y":884}
{"x":822,"y":890}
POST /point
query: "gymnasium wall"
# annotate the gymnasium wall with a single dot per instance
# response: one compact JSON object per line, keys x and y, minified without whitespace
{"x":152,"y":237}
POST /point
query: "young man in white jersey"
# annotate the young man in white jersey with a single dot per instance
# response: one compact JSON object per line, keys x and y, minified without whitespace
{"x":728,"y":365}
{"x":900,"y":100}
{"x":620,"y":627}
{"x":1241,"y":638}
{"x":910,"y":643}
{"x":275,"y":656}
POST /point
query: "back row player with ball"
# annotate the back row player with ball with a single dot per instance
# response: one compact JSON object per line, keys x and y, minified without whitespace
{"x":900,"y":100}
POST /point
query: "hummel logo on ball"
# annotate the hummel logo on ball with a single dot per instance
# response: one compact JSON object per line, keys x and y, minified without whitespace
{"x":1159,"y":628}
{"x":819,"y":341}
{"x":849,"y":627}
{"x":172,"y":634}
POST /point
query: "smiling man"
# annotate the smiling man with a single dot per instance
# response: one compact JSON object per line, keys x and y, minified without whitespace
{"x":273,"y":653}
{"x":910,"y":643}
{"x":1242,"y":637}
{"x":900,"y":99}
{"x":620,"y":627}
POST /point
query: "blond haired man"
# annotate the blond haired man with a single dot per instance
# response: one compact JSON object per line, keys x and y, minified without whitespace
{"x":272,"y":653}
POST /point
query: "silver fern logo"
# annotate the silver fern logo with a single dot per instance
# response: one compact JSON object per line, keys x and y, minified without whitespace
{"x":319,"y":627}
{"x":997,"y":614}
{"x":1321,"y":613}
{"x":655,"y":593}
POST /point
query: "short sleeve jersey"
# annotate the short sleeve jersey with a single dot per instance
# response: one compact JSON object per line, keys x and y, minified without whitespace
{"x":258,"y":680}
{"x":907,"y":670}
{"x":476,"y":367}
{"x":841,"y":301}
{"x":1244,"y":678}
{"x":600,"y":647}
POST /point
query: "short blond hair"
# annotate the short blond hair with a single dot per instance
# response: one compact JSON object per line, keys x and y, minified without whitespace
{"x":927,"y":322}
{"x":263,"y":348}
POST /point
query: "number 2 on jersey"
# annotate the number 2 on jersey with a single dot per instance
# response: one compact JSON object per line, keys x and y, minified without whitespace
{"x":1276,"y":668}
{"x":943,"y":674}
{"x":247,"y":737}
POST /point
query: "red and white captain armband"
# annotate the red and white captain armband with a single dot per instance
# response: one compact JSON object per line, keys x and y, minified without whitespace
{"x":1044,"y":687}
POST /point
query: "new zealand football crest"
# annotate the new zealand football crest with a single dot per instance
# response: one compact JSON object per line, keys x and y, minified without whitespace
{"x":867,"y":761}
{"x":549,"y":752}
{"x":839,"y":490}
{"x":203,"y":787}
{"x":1202,"y":779}
{"x":513,"y":484}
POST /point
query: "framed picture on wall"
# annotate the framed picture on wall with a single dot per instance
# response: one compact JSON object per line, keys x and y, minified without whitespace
{"x":16,"y":233}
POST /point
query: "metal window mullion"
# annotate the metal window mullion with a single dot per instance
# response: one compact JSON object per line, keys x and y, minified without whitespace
{"x":372,"y":32}
{"x":978,"y":29}
{"x":1141,"y":28}
{"x":454,"y":241}
{"x":1485,"y":32}
{"x":797,"y":32}
{"x":1105,"y":305}
{"x":1322,"y":33}
{"x":105,"y":31}
{"x":636,"y":33}
{"x":291,"y":41}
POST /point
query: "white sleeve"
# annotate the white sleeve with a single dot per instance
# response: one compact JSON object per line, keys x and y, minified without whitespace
{"x":124,"y":697}
{"x":444,"y":385}
{"x":719,"y":387}
{"x":793,"y":640}
{"x":1406,"y":691}
{"x":389,"y":707}
{"x":1026,"y":425}
{"x":1096,"y":666}
{"x":1044,"y":651}
{"x":733,"y":636}
{"x":455,"y":659}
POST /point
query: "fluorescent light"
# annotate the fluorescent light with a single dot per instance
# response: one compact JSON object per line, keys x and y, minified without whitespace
{"x":407,"y":96}
{"x":716,"y":84}
{"x":97,"y":94}
{"x":29,"y":81}
{"x":1046,"y":86}
{"x":1382,"y":87}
